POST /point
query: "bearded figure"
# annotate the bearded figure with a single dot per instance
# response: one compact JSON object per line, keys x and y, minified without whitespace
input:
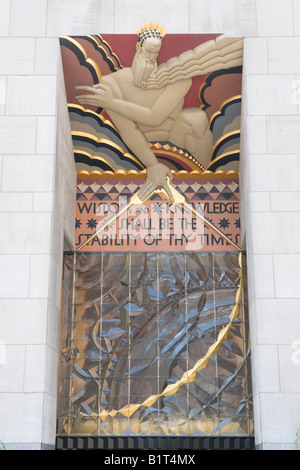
{"x":145,"y":101}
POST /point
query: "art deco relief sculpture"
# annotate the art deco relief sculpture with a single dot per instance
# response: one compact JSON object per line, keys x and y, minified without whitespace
{"x":145,"y":101}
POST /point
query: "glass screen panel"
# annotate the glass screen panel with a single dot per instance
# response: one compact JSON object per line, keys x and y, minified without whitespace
{"x":143,"y":350}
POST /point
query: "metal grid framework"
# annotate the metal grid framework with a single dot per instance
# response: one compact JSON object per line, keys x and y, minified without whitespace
{"x":133,"y":324}
{"x":156,"y":443}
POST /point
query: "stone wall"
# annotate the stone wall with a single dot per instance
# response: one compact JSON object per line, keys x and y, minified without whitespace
{"x":37,"y":195}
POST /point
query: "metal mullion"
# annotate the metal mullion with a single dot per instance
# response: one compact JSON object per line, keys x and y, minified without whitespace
{"x":186,"y":334}
{"x":72,"y":336}
{"x":215,"y":324}
{"x":158,"y":332}
{"x":129,"y":332}
{"x":100,"y":357}
{"x":245,"y":346}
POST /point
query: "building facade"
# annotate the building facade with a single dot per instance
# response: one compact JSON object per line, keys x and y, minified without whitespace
{"x":38,"y":193}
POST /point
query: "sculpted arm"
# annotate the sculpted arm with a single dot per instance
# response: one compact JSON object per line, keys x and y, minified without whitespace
{"x":157,"y":173}
{"x":160,"y":110}
{"x":217,"y":54}
{"x":125,"y":116}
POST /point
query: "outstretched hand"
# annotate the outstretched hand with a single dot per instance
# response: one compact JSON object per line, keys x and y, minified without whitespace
{"x":157,"y":174}
{"x":156,"y":178}
{"x":101,"y":96}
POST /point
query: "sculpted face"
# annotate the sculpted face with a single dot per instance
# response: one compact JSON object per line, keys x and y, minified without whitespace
{"x":145,"y":61}
{"x":150,"y":49}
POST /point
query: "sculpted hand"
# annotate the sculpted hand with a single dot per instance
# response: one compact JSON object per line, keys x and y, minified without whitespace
{"x":156,"y":177}
{"x":101,"y":97}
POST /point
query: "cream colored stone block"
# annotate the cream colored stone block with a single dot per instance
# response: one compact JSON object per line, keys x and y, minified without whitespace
{"x":285,"y":201}
{"x":283,"y":55}
{"x":4,"y":18}
{"x":3,"y":87}
{"x":39,"y":276}
{"x":277,"y":321}
{"x":21,"y":417}
{"x":1,"y":161}
{"x":28,"y":18}
{"x":34,"y":96}
{"x":46,"y":135}
{"x":17,"y":135}
{"x":274,"y":17}
{"x":34,"y":376}
{"x":259,"y":201}
{"x":251,"y":300}
{"x":47,"y":56}
{"x":51,"y":371}
{"x":65,"y":191}
{"x":70,"y":211}
{"x":17,"y":56}
{"x":62,"y":104}
{"x":257,"y":418}
{"x":23,"y":321}
{"x":14,"y":275}
{"x":267,"y":368}
{"x":283,"y":134}
{"x":28,"y":232}
{"x":276,"y":232}
{"x":58,"y":236}
{"x":49,"y":429}
{"x":296,"y":92}
{"x":289,"y":367}
{"x":254,"y":368}
{"x":235,"y":18}
{"x":43,"y":202}
{"x":53,"y":325}
{"x":65,"y":151}
{"x":255,"y":56}
{"x":28,"y":173}
{"x":16,"y":202}
{"x":287,"y":274}
{"x":55,"y":283}
{"x":270,"y":95}
{"x":257,"y":135}
{"x":80,"y":17}
{"x":266,"y":172}
{"x":12,"y":371}
{"x":296,"y":10}
{"x":263,"y":276}
{"x":279,"y":417}
{"x":172,"y":15}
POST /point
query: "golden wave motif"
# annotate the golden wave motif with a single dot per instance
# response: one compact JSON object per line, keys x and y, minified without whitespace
{"x":97,"y":115}
{"x":232,"y":134}
{"x":220,"y":157}
{"x":225,"y":103}
{"x":93,"y":157}
{"x":107,"y":142}
{"x":135,"y":174}
{"x":87,"y":59}
{"x":113,"y":54}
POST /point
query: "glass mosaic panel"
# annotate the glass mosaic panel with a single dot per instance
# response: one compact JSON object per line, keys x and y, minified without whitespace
{"x":133,"y":324}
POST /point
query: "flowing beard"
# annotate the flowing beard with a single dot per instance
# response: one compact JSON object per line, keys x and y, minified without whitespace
{"x":141,"y":70}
